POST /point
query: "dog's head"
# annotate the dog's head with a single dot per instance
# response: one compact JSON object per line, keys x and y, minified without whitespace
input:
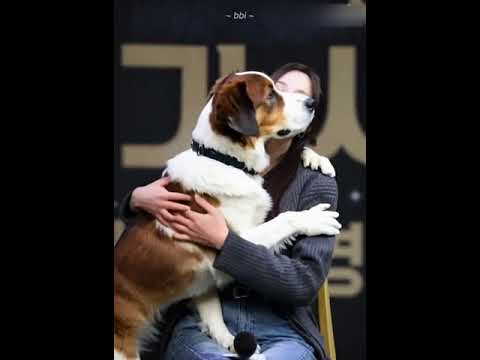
{"x":246,"y":106}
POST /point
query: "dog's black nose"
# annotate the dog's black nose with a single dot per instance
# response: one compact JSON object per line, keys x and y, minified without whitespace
{"x":283,"y":132}
{"x":310,"y":104}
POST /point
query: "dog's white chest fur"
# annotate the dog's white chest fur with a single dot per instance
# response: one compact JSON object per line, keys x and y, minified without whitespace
{"x":243,"y":201}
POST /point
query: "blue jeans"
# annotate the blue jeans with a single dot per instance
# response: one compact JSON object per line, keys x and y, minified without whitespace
{"x":273,"y":333}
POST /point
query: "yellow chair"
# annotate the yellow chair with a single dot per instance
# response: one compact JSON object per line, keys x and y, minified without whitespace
{"x":325,"y":320}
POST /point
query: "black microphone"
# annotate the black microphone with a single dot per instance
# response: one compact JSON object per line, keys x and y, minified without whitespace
{"x":245,"y":345}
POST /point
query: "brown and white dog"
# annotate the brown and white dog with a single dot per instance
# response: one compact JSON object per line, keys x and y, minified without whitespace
{"x":152,"y":270}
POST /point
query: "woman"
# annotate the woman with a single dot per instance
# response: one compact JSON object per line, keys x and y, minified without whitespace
{"x":272,"y":295}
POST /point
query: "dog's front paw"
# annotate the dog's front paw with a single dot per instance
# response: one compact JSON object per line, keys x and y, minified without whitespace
{"x":225,"y":339}
{"x":319,"y":221}
{"x":314,"y":161}
{"x":227,"y":342}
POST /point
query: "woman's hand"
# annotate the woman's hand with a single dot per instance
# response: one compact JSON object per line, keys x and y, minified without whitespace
{"x":155,"y":199}
{"x":209,"y":229}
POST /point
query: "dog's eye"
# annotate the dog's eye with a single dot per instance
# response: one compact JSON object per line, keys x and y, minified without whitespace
{"x":271,"y":96}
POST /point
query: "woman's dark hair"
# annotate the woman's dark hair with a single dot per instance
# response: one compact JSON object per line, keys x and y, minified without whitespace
{"x":281,"y":176}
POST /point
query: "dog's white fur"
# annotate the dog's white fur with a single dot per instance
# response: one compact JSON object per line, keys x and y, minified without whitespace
{"x":119,"y":356}
{"x":314,"y":161}
{"x":244,"y":204}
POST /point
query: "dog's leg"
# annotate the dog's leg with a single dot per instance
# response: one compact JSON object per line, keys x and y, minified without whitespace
{"x":274,"y":234}
{"x":280,"y":231}
{"x":117,"y":355}
{"x":210,"y":310}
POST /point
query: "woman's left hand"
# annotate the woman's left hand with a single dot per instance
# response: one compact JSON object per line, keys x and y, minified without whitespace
{"x":209,"y":229}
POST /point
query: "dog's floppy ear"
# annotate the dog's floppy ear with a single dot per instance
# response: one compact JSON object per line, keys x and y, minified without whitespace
{"x":219,"y":83}
{"x":235,"y":99}
{"x":242,"y":119}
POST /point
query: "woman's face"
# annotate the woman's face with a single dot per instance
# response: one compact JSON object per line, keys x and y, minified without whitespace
{"x":296,"y":82}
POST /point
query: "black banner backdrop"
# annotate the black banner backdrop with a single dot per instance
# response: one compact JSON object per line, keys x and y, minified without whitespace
{"x":168,"y":54}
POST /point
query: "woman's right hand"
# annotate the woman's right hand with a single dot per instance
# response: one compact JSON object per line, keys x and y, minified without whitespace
{"x":155,"y":199}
